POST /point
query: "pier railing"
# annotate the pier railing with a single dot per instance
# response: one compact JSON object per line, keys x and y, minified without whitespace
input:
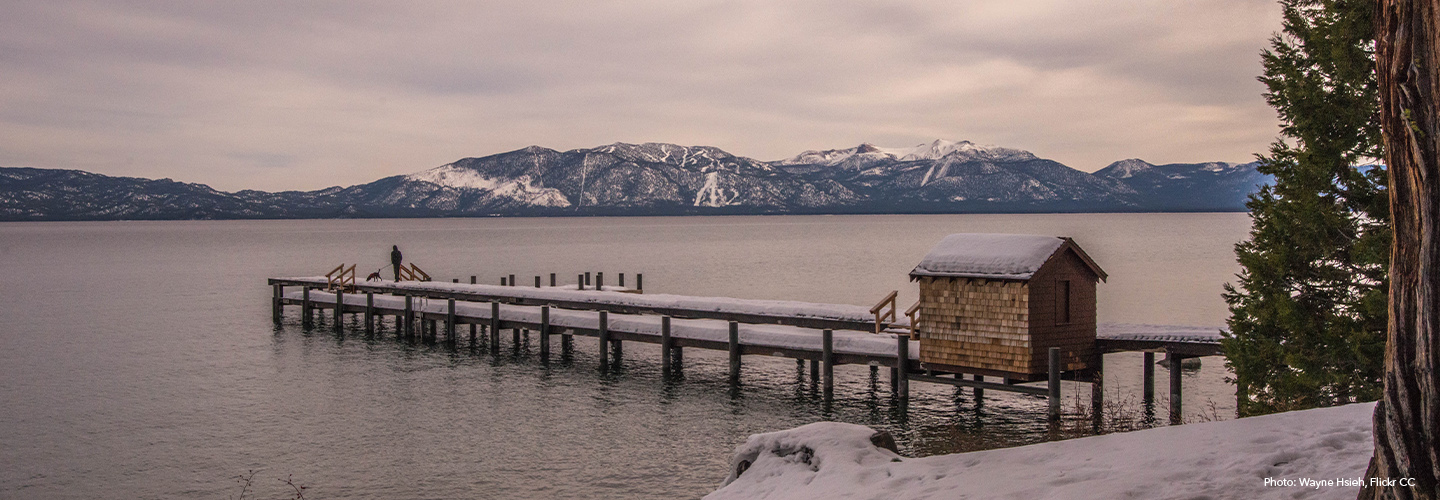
{"x":881,"y":315}
{"x":341,"y":278}
{"x":413,"y":273}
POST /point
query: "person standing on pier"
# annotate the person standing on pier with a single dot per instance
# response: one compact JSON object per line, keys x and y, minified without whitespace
{"x":395,"y":261}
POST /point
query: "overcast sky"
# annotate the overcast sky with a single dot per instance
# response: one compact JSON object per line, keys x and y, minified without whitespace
{"x":305,"y":95}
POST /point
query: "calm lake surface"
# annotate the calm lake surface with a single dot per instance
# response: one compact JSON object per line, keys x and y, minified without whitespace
{"x":138,"y":359}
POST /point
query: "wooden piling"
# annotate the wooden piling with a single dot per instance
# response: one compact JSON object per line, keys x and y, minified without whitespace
{"x":734,"y":351}
{"x":450,"y":319}
{"x":276,"y":308}
{"x":472,"y":279}
{"x":979,"y":391}
{"x":667,"y":343}
{"x":1097,"y":390}
{"x":1053,"y":395}
{"x":512,"y":280}
{"x":552,"y":279}
{"x":639,"y":282}
{"x":604,"y":334}
{"x":369,"y":312}
{"x":409,"y":316}
{"x":339,"y":309}
{"x":902,"y":366}
{"x":827,"y":360}
{"x":495,"y":327}
{"x":455,"y":280}
{"x":580,"y":280}
{"x":1149,"y":371}
{"x":544,"y":330}
{"x":814,"y":371}
{"x":622,"y":279}
{"x":305,"y":305}
{"x":1177,"y":416}
{"x":587,"y":278}
{"x":599,"y":281}
{"x":503,"y":282}
{"x":537,"y":281}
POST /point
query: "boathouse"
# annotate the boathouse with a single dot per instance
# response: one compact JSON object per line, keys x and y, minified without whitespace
{"x":993,"y":304}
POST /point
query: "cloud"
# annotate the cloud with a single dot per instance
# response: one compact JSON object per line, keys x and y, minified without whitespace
{"x":290,"y":95}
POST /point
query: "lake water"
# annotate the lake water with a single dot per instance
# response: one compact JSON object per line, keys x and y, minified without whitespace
{"x":138,"y":359}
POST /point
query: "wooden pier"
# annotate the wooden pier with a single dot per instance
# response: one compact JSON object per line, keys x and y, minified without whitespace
{"x":824,"y":335}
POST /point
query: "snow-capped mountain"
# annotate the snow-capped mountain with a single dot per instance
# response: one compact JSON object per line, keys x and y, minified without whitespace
{"x":655,"y":179}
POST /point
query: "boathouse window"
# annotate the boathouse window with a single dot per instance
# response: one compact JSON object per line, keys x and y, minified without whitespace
{"x":1062,"y":302}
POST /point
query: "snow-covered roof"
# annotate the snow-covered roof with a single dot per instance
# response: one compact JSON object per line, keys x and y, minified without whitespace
{"x":996,"y":256}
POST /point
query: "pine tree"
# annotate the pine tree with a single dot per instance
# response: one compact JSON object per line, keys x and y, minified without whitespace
{"x":1308,"y":319}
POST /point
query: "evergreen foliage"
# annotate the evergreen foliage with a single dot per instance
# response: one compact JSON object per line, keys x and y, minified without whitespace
{"x":1308,"y":318}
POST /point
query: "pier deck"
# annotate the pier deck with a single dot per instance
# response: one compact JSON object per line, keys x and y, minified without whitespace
{"x":823,"y":334}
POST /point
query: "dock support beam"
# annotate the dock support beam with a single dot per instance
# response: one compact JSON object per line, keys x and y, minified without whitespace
{"x":409,"y":316}
{"x":604,"y":334}
{"x":1097,"y":390}
{"x":902,"y":366}
{"x":1176,"y":415}
{"x":544,"y":331}
{"x":1054,"y":385}
{"x":1149,"y":371}
{"x":495,"y":327}
{"x":369,"y":312}
{"x":450,"y":320}
{"x":305,"y":306}
{"x":827,"y":361}
{"x":734,"y":352}
{"x":276,"y":308}
{"x":667,"y":344}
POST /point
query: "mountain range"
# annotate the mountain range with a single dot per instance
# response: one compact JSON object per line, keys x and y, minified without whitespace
{"x":666,"y":179}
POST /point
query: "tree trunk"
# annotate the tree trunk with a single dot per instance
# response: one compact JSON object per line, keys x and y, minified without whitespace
{"x":1407,"y":419}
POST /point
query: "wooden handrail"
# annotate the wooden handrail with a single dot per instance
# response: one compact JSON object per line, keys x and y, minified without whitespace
{"x":341,"y":278}
{"x":910,"y":313}
{"x":413,"y":273}
{"x":890,"y":315}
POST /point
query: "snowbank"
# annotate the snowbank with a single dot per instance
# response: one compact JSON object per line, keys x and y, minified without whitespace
{"x":1229,"y":459}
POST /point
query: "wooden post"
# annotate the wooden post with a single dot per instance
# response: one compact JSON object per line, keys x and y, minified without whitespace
{"x":979,"y":392}
{"x":587,"y":278}
{"x":503,"y":282}
{"x":495,"y":327}
{"x":276,"y":308}
{"x":1054,"y":384}
{"x":622,"y":279}
{"x":339,"y":309}
{"x":666,"y":344}
{"x":639,"y":282}
{"x":734,"y":352}
{"x":369,"y":312}
{"x":580,"y":278}
{"x":552,"y":279}
{"x":450,"y":319}
{"x":604,"y":334}
{"x":305,"y":305}
{"x":512,"y":280}
{"x":902,"y":366}
{"x":1176,"y":415}
{"x":472,"y":279}
{"x":537,"y":281}
{"x":544,"y":330}
{"x":409,"y":316}
{"x":827,"y":360}
{"x":1097,"y":390}
{"x":814,"y":371}
{"x":1149,"y":371}
{"x":599,"y":281}
{"x":455,"y":280}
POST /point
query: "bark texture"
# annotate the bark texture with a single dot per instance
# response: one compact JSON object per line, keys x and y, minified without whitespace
{"x":1407,"y":419}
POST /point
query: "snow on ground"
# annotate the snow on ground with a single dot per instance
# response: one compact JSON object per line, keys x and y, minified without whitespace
{"x":1215,"y":460}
